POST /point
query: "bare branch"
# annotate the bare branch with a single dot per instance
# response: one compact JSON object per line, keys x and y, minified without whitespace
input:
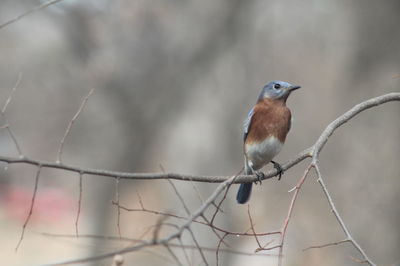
{"x":79,"y":205}
{"x":150,"y":176}
{"x":3,"y":114}
{"x":173,"y":254}
{"x":60,"y":149}
{"x":30,"y":208}
{"x":165,"y":240}
{"x":179,"y":197}
{"x":323,"y":138}
{"x":310,"y":152}
{"x":203,"y":257}
{"x":117,"y":204}
{"x":252,"y":226}
{"x":116,"y":238}
{"x":26,"y":13}
{"x":313,"y":152}
{"x":206,"y":223}
{"x":286,"y":223}
{"x":183,"y":247}
{"x":3,"y":111}
{"x":157,"y":228}
{"x":219,"y":247}
{"x":328,"y":244}
{"x":339,"y":218}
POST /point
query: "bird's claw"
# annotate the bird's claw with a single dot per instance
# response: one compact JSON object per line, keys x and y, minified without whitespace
{"x":260,"y":176}
{"x":278,"y":168}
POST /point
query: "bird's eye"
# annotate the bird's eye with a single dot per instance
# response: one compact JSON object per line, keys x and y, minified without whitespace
{"x":277,"y":86}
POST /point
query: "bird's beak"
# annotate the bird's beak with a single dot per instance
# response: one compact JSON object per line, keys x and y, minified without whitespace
{"x":294,"y":87}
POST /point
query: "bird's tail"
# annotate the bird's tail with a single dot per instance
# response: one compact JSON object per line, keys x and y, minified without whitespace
{"x":244,"y":192}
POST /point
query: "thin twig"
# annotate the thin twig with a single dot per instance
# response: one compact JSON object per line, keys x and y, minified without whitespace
{"x":3,"y":110}
{"x":79,"y":205}
{"x":26,"y":13}
{"x":3,"y":114}
{"x":155,"y":212}
{"x":30,"y":208}
{"x":187,"y":209}
{"x":252,"y":226}
{"x":157,"y":228}
{"x":117,"y":204}
{"x":226,"y":182}
{"x":183,"y":247}
{"x":219,"y":247}
{"x":173,"y":254}
{"x":197,"y":245}
{"x":218,"y":209}
{"x":177,"y":234}
{"x":339,"y":218}
{"x":290,"y":211}
{"x":179,"y":196}
{"x":133,"y":240}
{"x":328,"y":244}
{"x":315,"y":151}
{"x":328,"y":131}
{"x":60,"y":149}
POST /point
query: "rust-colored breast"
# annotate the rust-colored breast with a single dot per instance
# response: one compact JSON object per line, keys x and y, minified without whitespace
{"x":270,"y":118}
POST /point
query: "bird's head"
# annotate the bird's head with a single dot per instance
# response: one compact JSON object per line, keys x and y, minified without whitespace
{"x":277,"y":90}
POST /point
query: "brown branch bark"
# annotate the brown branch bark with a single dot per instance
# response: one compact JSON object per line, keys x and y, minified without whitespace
{"x":150,"y":176}
{"x":312,"y":152}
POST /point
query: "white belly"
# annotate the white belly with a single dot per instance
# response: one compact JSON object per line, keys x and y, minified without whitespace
{"x":259,"y":154}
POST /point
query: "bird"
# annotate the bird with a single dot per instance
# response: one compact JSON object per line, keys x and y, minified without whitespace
{"x":265,"y":130}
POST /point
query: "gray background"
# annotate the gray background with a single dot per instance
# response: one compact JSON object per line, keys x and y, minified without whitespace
{"x":174,"y":80}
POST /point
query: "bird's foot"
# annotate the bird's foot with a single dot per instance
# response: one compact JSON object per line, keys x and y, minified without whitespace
{"x":278,"y":167}
{"x":260,"y":176}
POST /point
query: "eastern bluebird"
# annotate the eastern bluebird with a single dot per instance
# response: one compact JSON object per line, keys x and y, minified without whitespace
{"x":265,"y":130}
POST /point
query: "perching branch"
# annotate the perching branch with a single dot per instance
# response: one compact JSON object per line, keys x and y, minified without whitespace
{"x":150,"y":176}
{"x":312,"y":152}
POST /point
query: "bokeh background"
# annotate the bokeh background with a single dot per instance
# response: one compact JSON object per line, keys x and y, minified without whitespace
{"x":173,"y":82}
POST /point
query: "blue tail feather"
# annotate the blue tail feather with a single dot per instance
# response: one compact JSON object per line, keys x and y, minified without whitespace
{"x":244,"y":193}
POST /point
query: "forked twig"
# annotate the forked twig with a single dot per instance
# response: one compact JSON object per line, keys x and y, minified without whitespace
{"x":349,"y":237}
{"x":3,"y":114}
{"x":60,"y":149}
{"x":312,"y":152}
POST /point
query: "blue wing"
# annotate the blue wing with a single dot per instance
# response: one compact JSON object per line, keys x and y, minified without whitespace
{"x":246,"y":124}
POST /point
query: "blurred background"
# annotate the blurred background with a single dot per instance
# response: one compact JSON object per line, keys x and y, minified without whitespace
{"x":173,"y":82}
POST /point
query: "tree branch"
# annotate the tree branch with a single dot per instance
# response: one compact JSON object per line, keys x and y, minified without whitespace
{"x":26,"y":13}
{"x":150,"y":176}
{"x":313,"y":152}
{"x":310,"y":152}
{"x":163,"y":241}
{"x":71,"y":123}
